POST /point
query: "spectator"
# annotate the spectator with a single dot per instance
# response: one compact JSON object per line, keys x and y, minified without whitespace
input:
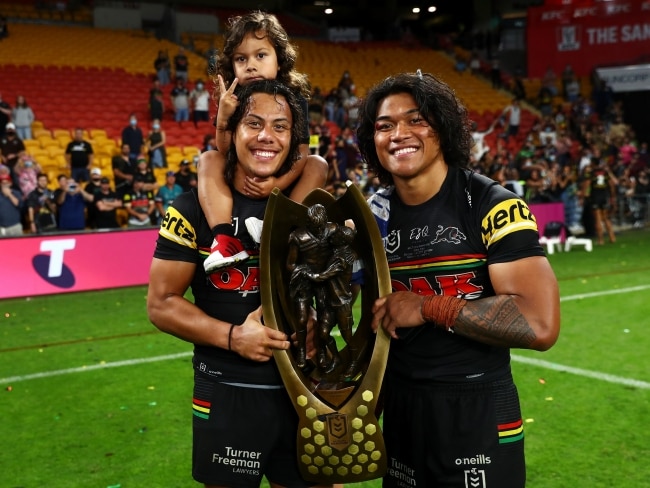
{"x":11,"y":203}
{"x":106,"y":203}
{"x":571,"y":89}
{"x":156,"y":103}
{"x":155,"y":144}
{"x":70,"y":201}
{"x":513,"y":114}
{"x":92,"y":188}
{"x":518,"y":88}
{"x":181,"y":65}
{"x":167,"y":193}
{"x":133,"y":137}
{"x":11,"y":147}
{"x":480,"y":148}
{"x":209,"y":142}
{"x":143,"y":170}
{"x":568,"y":75}
{"x":351,"y":105}
{"x":180,"y":96}
{"x":345,"y":84}
{"x":549,"y":81}
{"x":123,"y":171}
{"x":79,"y":156}
{"x":26,"y":174}
{"x":315,"y":107}
{"x":600,"y":184}
{"x":5,"y":116}
{"x":139,"y":204}
{"x":185,"y":177}
{"x":23,"y":117}
{"x":163,"y":68}
{"x":41,"y":209}
{"x":200,"y":98}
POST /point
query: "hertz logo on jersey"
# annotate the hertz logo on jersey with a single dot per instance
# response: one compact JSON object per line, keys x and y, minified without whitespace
{"x":505,"y":218}
{"x":177,"y":229}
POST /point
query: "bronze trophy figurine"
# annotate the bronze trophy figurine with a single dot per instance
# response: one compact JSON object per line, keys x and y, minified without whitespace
{"x":308,"y":257}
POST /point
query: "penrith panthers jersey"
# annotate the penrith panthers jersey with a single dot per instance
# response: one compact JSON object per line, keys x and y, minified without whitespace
{"x":229,"y":295}
{"x":444,"y":247}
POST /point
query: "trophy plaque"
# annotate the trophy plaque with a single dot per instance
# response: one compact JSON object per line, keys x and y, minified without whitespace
{"x":320,"y":256}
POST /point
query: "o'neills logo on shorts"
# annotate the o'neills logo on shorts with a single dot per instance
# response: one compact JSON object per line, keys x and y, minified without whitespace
{"x":505,"y":218}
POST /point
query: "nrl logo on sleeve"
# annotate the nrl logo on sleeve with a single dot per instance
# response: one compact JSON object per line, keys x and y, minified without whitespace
{"x":509,"y":216}
{"x":176,"y":228}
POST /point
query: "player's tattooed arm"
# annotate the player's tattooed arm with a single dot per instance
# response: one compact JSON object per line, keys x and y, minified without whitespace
{"x":496,"y":321}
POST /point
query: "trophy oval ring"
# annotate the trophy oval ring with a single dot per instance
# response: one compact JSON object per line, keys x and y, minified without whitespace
{"x":336,"y":393}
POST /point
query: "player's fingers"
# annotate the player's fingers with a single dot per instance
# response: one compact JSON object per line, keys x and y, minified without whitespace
{"x":222,"y":85}
{"x":279,"y":344}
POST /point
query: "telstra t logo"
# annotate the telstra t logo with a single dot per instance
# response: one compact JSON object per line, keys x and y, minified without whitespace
{"x":51,"y":267}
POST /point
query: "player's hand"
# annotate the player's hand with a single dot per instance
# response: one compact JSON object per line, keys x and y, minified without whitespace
{"x":399,"y":309}
{"x":228,"y":101}
{"x":254,"y":341}
{"x":259,"y":187}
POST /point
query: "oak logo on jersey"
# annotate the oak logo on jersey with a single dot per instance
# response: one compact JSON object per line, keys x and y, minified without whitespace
{"x":234,"y":279}
{"x":176,"y":228}
{"x":505,"y":218}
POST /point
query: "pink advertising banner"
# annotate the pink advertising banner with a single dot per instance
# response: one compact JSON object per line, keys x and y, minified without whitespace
{"x":44,"y":265}
{"x":587,"y":35}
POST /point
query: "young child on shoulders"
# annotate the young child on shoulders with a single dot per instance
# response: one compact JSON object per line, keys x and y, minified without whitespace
{"x":256,"y":46}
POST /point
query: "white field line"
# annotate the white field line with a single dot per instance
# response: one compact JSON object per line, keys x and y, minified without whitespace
{"x":606,"y":292}
{"x":521,"y":359}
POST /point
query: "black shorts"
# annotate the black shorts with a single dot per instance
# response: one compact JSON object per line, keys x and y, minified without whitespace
{"x":242,"y":434}
{"x":456,"y":435}
{"x":600,"y":200}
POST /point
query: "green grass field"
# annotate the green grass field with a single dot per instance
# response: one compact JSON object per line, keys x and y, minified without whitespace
{"x":93,"y":396}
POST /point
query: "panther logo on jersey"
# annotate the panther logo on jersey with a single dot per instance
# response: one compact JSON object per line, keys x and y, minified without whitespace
{"x":448,"y":234}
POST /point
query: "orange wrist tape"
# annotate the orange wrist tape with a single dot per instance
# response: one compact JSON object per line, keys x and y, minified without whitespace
{"x":442,"y":310}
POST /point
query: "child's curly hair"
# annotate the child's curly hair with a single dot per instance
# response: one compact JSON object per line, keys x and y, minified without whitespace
{"x":261,"y":25}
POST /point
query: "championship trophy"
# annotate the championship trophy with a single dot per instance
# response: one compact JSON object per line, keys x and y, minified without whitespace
{"x":320,"y":256}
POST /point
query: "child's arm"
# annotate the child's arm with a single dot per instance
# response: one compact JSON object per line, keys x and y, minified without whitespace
{"x":215,"y":196}
{"x":310,"y":171}
{"x":228,"y":102}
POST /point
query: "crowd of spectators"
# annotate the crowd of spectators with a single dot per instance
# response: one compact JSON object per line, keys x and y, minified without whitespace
{"x":553,"y":161}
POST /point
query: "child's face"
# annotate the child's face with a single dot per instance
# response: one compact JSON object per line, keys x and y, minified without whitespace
{"x":255,"y":59}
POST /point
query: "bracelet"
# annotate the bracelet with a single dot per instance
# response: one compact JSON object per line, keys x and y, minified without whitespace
{"x":442,"y":310}
{"x":232,"y":326}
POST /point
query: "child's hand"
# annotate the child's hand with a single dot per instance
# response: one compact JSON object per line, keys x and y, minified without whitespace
{"x":259,"y":187}
{"x":228,"y":101}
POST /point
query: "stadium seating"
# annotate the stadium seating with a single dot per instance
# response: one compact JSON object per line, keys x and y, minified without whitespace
{"x":94,"y":78}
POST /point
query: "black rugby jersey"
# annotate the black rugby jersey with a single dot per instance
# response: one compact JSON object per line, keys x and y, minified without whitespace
{"x":444,"y":247}
{"x":229,"y":295}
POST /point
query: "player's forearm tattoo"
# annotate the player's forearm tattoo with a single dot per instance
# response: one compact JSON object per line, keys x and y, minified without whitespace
{"x":496,"y":321}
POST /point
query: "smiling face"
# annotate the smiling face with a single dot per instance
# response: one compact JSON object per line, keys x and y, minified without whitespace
{"x":255,"y":59}
{"x":406,"y":144}
{"x":262,"y":138}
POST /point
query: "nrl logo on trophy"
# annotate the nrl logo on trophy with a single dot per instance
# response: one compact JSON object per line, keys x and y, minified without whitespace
{"x":318,"y":261}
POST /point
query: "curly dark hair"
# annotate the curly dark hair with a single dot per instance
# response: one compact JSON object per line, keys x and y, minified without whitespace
{"x":261,"y":25}
{"x":438,"y":105}
{"x":277,"y":90}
